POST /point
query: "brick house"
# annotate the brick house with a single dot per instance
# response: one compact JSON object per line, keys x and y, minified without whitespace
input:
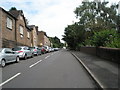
{"x":23,"y":32}
{"x":7,"y":29}
{"x":43,"y":39}
{"x":34,"y":35}
{"x":13,"y":29}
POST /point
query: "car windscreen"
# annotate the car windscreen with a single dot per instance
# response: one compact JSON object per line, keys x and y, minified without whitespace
{"x":16,"y":49}
{"x":32,"y":47}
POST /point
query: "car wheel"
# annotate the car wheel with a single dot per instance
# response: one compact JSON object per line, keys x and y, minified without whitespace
{"x":17,"y":59}
{"x":32,"y":55}
{"x":3,"y":63}
{"x":37,"y":54}
{"x":25,"y":57}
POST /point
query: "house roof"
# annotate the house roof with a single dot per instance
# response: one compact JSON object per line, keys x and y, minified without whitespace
{"x":7,"y":13}
{"x":16,"y":14}
{"x":43,"y":32}
{"x":32,"y":26}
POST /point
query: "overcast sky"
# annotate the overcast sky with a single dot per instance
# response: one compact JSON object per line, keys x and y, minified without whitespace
{"x":52,"y":16}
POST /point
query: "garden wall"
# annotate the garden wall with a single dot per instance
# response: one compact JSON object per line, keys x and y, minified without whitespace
{"x":112,"y":54}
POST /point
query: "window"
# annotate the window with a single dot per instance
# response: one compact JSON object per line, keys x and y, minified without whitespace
{"x":28,"y":35}
{"x":8,"y":51}
{"x":21,"y":31}
{"x":9,"y":23}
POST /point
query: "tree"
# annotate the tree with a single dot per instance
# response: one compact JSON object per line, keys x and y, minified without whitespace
{"x":94,"y":17}
{"x":56,"y":42}
{"x":12,"y":8}
{"x":97,"y":16}
{"x":73,"y":35}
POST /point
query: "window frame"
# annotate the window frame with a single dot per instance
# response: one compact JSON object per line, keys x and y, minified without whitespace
{"x":28,"y":34}
{"x":9,"y":23}
{"x":21,"y":32}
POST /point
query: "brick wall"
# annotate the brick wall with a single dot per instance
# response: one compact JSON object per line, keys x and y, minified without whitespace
{"x":46,"y":41}
{"x":0,"y":28}
{"x":8,"y":35}
{"x":35,"y":36}
{"x":21,"y":40}
{"x":40,"y":38}
{"x":28,"y":41}
{"x":111,"y":54}
{"x":88,"y":50}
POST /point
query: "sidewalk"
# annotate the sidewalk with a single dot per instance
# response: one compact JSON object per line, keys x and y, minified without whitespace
{"x":104,"y":71}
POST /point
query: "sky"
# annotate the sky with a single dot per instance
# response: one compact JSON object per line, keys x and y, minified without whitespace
{"x":51,"y":16}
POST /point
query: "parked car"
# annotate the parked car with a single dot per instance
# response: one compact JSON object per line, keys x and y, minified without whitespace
{"x":36,"y":50}
{"x":56,"y":49}
{"x":43,"y":50}
{"x":46,"y":48}
{"x":7,"y":56}
{"x":52,"y":49}
{"x":23,"y":51}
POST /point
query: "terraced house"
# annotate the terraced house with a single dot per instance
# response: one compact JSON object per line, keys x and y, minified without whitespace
{"x":34,"y":35}
{"x":23,"y":32}
{"x":7,"y":29}
{"x":43,"y":39}
{"x":13,"y":29}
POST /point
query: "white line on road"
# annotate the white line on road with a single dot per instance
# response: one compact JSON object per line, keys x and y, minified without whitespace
{"x":47,"y":56}
{"x":9,"y":79}
{"x":34,"y":64}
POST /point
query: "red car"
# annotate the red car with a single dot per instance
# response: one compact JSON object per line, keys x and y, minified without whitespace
{"x":43,"y":51}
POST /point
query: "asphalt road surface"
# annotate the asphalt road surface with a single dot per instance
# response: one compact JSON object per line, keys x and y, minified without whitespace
{"x":52,"y":70}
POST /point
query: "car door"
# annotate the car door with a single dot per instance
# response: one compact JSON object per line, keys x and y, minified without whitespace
{"x":9,"y":55}
{"x":28,"y":51}
{"x":6,"y":55}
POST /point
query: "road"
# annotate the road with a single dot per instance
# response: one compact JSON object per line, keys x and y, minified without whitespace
{"x":52,"y":70}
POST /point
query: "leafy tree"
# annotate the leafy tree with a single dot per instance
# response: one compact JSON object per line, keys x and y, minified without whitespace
{"x":97,"y":16}
{"x":96,"y":22}
{"x":74,"y":34}
{"x":56,"y":42}
{"x":13,"y":8}
{"x":103,"y":37}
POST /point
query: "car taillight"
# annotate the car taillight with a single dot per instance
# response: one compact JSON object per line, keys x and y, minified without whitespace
{"x":35,"y":49}
{"x":20,"y":51}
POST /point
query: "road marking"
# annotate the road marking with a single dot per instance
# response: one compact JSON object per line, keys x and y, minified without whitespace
{"x":34,"y":64}
{"x":47,"y":56}
{"x":9,"y":79}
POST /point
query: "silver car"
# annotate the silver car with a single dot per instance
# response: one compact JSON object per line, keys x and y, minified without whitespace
{"x":7,"y":56}
{"x":23,"y":51}
{"x":36,"y":50}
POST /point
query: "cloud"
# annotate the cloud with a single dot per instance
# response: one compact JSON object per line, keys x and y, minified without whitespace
{"x":52,"y":16}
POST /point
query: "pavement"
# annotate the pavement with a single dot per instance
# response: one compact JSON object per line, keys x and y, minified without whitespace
{"x":105,"y":73}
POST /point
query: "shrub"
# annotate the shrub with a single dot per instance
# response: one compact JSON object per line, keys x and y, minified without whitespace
{"x":104,"y":38}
